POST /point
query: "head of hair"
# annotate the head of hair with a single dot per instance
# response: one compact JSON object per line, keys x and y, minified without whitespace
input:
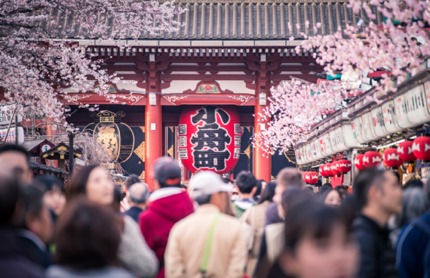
{"x":15,"y":148}
{"x":323,"y":195}
{"x":203,"y":199}
{"x":396,"y":173}
{"x":415,"y":203}
{"x":326,"y":187}
{"x":9,"y":195}
{"x":87,"y":236}
{"x":259,"y":188}
{"x":118,"y":196}
{"x":289,"y":177}
{"x":78,"y":183}
{"x":363,"y":181}
{"x":246,"y":182}
{"x":268,"y":193}
{"x":139,"y":193}
{"x":414,"y":183}
{"x":130,"y":180}
{"x":49,"y":183}
{"x":293,"y":196}
{"x":310,"y":219}
{"x":30,"y":203}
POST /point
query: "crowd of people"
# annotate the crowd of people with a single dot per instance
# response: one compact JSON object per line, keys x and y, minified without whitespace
{"x":211,"y":227}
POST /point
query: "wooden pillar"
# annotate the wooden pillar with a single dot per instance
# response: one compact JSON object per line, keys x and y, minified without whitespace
{"x":262,"y":160}
{"x":153,"y":122}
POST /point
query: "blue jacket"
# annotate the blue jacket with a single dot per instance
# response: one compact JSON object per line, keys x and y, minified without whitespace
{"x":412,"y":245}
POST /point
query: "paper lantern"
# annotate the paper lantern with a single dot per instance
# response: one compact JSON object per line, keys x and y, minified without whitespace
{"x":421,"y":148}
{"x":209,"y":138}
{"x":334,"y":170}
{"x":392,"y":158}
{"x":311,"y":177}
{"x":358,"y":161}
{"x":343,"y":166}
{"x":372,"y":159}
{"x":325,"y":170}
{"x":405,"y":151}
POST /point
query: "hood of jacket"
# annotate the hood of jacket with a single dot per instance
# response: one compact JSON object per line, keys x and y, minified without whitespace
{"x":171,"y":204}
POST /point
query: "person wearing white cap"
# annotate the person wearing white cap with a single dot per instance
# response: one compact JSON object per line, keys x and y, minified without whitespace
{"x":207,"y":243}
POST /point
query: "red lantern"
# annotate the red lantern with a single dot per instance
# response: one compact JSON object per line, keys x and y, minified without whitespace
{"x":372,"y":159}
{"x":358,"y":161}
{"x":305,"y":176}
{"x":392,"y":158}
{"x":343,"y":166}
{"x":405,"y":151}
{"x":334,"y":170}
{"x":325,"y":170}
{"x":421,"y":148}
{"x":209,"y":138}
{"x":311,"y":177}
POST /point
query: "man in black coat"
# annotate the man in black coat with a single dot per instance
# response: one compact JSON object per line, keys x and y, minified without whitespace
{"x":137,"y":195}
{"x":379,"y":196}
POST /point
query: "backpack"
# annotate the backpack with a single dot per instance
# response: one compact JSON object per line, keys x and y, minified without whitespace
{"x":425,"y":227}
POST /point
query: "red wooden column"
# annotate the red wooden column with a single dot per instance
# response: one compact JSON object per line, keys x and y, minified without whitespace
{"x":262,"y":160}
{"x":50,"y":130}
{"x":153,"y":122}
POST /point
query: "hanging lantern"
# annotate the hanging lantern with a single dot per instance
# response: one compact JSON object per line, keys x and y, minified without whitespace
{"x":343,"y":166}
{"x":392,"y":158}
{"x":325,"y":170}
{"x":358,"y":161}
{"x":334,"y":170}
{"x":305,"y":176}
{"x":421,"y":148}
{"x":372,"y":159}
{"x":405,"y":151}
{"x":311,"y":177}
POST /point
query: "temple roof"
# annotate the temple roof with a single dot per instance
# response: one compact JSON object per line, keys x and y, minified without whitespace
{"x":250,"y":19}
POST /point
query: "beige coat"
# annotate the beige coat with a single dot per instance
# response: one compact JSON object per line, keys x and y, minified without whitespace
{"x":184,"y":253}
{"x":256,"y":218}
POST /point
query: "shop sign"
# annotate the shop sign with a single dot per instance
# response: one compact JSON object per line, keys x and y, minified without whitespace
{"x":11,"y":135}
{"x":390,"y":118}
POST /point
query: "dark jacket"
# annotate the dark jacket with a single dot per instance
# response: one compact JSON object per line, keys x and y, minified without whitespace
{"x":12,"y":262}
{"x":412,"y":246}
{"x":166,"y":207}
{"x":272,"y":215}
{"x":134,"y":213}
{"x":377,"y":257}
{"x":33,"y":248}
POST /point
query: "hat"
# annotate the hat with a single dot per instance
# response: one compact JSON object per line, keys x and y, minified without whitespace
{"x":167,"y":171}
{"x":207,"y":183}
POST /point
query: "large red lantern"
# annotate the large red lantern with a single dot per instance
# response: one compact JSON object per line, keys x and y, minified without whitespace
{"x":405,"y":151}
{"x":372,"y":159}
{"x":343,"y":166}
{"x":325,"y":170}
{"x":392,"y":158}
{"x":421,"y":148}
{"x":209,"y":138}
{"x":334,"y":170}
{"x":311,"y":177}
{"x":358,"y":161}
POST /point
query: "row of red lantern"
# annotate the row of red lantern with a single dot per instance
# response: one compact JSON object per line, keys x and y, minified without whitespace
{"x":335,"y":168}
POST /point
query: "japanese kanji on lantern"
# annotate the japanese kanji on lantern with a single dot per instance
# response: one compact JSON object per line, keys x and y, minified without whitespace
{"x":421,"y":148}
{"x":358,"y":161}
{"x":405,"y":151}
{"x":209,"y":138}
{"x":372,"y":159}
{"x":392,"y":158}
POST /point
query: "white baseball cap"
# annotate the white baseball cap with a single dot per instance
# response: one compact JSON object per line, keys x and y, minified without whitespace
{"x":207,"y":183}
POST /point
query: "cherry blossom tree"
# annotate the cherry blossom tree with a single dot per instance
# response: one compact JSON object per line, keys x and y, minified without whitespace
{"x":39,"y":59}
{"x":396,"y":47}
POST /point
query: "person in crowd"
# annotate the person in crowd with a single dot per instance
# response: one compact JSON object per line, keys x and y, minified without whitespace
{"x":88,"y":238}
{"x":379,"y":196}
{"x":218,"y":247}
{"x":272,"y":239}
{"x":255,"y":217}
{"x":54,"y":196}
{"x":35,"y":227}
{"x":137,"y":195}
{"x":317,"y":242}
{"x":414,"y":182}
{"x":332,"y":197}
{"x":167,"y":205}
{"x":246,"y":184}
{"x":129,"y":181}
{"x":414,"y":204}
{"x":286,"y":178}
{"x":261,"y":184}
{"x":15,"y":160}
{"x":413,"y":246}
{"x":13,"y":262}
{"x":325,"y":187}
{"x":95,"y":183}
